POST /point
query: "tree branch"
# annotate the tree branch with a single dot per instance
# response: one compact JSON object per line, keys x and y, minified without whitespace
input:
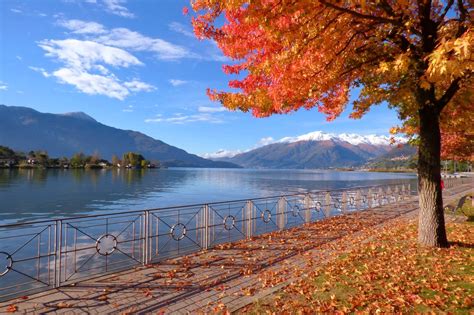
{"x":463,"y":13}
{"x":360,"y":15}
{"x":448,"y":95}
{"x":446,"y":9}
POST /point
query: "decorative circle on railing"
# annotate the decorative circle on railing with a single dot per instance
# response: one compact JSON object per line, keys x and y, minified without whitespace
{"x":6,"y":262}
{"x":337,"y":204}
{"x":106,"y":244}
{"x":318,"y":206}
{"x":178,"y":231}
{"x":295,"y":210}
{"x":364,"y":198}
{"x":351,"y":200}
{"x":266,"y":216}
{"x":229,"y":222}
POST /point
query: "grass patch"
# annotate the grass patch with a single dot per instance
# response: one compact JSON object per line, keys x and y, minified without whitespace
{"x":391,"y":273}
{"x":466,"y":209}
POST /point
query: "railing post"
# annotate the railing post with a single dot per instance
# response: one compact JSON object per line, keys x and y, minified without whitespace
{"x":58,"y":253}
{"x":370,"y":197}
{"x":358,"y":201}
{"x":307,"y":206}
{"x":248,"y":211}
{"x":327,"y":206}
{"x":281,"y":213}
{"x":146,"y":236}
{"x":344,"y":202}
{"x":206,"y":242}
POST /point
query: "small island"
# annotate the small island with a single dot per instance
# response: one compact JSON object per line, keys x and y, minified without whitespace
{"x":40,"y":159}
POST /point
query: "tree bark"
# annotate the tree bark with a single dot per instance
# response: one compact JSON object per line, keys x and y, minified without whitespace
{"x":431,"y":229}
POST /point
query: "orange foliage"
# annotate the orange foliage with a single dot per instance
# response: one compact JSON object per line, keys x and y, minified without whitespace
{"x":304,"y":54}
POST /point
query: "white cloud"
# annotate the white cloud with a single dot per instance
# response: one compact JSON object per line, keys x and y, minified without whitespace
{"x":3,"y":86}
{"x":116,"y":7}
{"x":16,"y":11}
{"x":19,"y":58}
{"x":86,"y":54}
{"x":138,"y":86}
{"x":176,"y":82}
{"x":82,"y":27}
{"x":85,"y":67}
{"x":219,"y":154}
{"x":184,"y":119}
{"x":41,"y":70}
{"x":127,"y":39}
{"x":92,"y":84}
{"x":180,"y":28}
{"x":99,"y":51}
{"x":206,"y":109}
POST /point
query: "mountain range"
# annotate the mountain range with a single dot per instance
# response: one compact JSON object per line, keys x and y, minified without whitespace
{"x":25,"y":129}
{"x":319,"y":150}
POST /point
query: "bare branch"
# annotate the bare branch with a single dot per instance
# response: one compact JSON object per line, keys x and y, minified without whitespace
{"x":445,"y":11}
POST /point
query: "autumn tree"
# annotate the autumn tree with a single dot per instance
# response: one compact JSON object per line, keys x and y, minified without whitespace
{"x":115,"y":160}
{"x":291,"y":54}
{"x":457,"y":131}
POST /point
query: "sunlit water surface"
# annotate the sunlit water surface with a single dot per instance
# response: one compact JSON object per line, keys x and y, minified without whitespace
{"x":40,"y":194}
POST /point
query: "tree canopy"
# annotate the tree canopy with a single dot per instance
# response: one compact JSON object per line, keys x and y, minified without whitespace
{"x":304,"y":54}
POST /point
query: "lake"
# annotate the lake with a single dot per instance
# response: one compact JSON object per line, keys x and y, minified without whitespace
{"x":27,"y":194}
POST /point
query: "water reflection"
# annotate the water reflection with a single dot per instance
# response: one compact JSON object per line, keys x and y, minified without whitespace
{"x":32,"y":194}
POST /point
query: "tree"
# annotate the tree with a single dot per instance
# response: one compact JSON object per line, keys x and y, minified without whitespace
{"x":414,"y":55}
{"x":144,"y":163}
{"x":457,"y":131}
{"x":78,"y":160}
{"x":42,"y":157}
{"x":132,"y":158}
{"x":95,"y":158}
{"x":115,"y":160}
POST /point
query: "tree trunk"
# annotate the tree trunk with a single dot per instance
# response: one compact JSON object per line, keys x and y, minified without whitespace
{"x":431,"y":229}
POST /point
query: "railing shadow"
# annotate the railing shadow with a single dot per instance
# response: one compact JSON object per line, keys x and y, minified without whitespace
{"x":208,"y":271}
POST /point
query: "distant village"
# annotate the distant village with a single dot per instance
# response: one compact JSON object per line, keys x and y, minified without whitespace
{"x":40,"y":159}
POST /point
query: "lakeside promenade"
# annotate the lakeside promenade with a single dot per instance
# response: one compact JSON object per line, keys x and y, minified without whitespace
{"x":228,"y":277}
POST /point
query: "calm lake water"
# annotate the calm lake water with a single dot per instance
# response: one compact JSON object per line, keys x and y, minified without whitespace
{"x":38,"y":194}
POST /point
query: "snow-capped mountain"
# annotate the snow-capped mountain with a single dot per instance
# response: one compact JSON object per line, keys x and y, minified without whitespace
{"x":312,"y":150}
{"x":352,"y":138}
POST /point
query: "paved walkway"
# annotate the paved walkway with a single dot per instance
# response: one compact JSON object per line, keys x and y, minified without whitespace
{"x":226,"y":278}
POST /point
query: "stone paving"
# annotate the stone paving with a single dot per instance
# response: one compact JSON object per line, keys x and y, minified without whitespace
{"x":226,"y":278}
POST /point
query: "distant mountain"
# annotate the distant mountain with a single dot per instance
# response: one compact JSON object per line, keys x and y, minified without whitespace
{"x":25,"y":129}
{"x":399,"y":157}
{"x":314,"y":150}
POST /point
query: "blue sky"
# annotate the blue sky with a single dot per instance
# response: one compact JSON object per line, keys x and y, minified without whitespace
{"x":136,"y":65}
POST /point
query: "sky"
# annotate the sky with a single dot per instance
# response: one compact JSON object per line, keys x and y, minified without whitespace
{"x":137,"y":65}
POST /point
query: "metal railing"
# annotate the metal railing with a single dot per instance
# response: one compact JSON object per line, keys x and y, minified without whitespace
{"x":52,"y":253}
